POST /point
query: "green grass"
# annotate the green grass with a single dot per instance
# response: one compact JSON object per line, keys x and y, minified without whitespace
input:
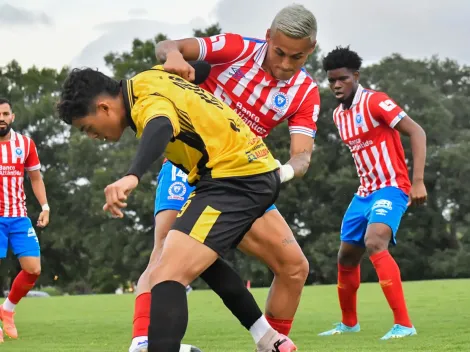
{"x":440,"y":311}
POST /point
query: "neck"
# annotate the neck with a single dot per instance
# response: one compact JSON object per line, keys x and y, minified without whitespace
{"x":265,"y":66}
{"x":348,"y":102}
{"x":6,"y":137}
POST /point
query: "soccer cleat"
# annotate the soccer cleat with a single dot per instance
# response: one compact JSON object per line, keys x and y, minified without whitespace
{"x":189,"y":348}
{"x":8,"y":323}
{"x":1,"y":335}
{"x":340,"y":328}
{"x":399,"y":331}
{"x":139,"y":344}
{"x":276,"y":343}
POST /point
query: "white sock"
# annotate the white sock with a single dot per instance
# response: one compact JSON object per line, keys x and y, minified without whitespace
{"x":136,"y":341}
{"x":8,"y":306}
{"x":260,"y":328}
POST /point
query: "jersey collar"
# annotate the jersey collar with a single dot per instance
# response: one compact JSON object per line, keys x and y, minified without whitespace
{"x":128,"y":96}
{"x":357,"y":97}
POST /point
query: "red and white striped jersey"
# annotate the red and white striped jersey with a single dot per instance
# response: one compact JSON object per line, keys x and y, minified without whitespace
{"x":17,"y":155}
{"x":262,"y":101}
{"x":367,"y":128}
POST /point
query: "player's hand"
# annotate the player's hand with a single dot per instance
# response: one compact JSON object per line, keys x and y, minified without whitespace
{"x":116,"y":194}
{"x":175,"y":63}
{"x":418,"y":194}
{"x":43,"y":219}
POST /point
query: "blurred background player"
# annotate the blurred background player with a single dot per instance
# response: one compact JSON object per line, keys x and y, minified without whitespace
{"x":370,"y":123}
{"x":18,"y":154}
{"x":265,"y":83}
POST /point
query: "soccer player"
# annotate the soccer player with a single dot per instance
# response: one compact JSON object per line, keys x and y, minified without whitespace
{"x":264,"y":82}
{"x":369,"y":123}
{"x":235,"y":176}
{"x":18,"y":154}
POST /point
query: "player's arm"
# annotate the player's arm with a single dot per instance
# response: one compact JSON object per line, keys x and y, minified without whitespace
{"x":156,"y":135}
{"x":381,"y":105}
{"x":32,"y":167}
{"x":302,"y":128}
{"x":216,"y":49}
{"x":158,"y":122}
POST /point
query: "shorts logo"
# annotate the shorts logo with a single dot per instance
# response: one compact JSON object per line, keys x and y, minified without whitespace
{"x":177,"y":191}
{"x":32,"y":233}
{"x":280,"y":101}
{"x":382,"y":207}
{"x":19,"y":151}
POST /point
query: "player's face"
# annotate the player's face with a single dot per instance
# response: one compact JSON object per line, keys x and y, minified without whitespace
{"x":6,"y":119}
{"x":285,"y":55}
{"x":105,"y":123}
{"x":343,"y":83}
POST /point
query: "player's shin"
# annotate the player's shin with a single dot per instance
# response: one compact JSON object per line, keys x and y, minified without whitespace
{"x":168,"y":317}
{"x":390,"y":280}
{"x":349,"y":279}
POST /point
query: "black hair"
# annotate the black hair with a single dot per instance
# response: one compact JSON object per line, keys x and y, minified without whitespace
{"x":342,"y":57}
{"x":5,"y":101}
{"x":80,"y":90}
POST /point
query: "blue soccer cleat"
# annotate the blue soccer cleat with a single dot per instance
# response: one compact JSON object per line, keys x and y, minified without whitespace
{"x":399,"y":331}
{"x":340,"y":328}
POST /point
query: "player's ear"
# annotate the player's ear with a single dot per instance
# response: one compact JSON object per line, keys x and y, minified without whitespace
{"x":102,"y":106}
{"x":268,"y":34}
{"x":356,"y":76}
{"x":12,"y":117}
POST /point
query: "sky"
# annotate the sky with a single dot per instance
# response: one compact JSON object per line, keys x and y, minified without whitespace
{"x":58,"y":33}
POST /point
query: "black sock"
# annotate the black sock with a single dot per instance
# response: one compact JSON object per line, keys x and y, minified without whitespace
{"x":168,"y":317}
{"x":226,"y":283}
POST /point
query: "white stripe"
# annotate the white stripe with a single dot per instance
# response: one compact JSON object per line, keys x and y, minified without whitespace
{"x":343,"y":126}
{"x":350,"y":121}
{"x":21,"y":196}
{"x":303,"y":130}
{"x":370,"y":169}
{"x":361,"y":105}
{"x":5,"y":196}
{"x":375,"y":123}
{"x":25,"y":150}
{"x":15,"y":200}
{"x":244,"y":81}
{"x":4,"y":154}
{"x":388,"y":163}
{"x":397,"y":119}
{"x":202,"y":49}
{"x":361,"y":171}
{"x":378,"y":167}
{"x":257,"y":91}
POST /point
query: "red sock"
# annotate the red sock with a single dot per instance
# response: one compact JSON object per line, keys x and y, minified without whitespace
{"x":22,"y":284}
{"x":141,"y":315}
{"x":282,"y":326}
{"x":390,"y":280}
{"x":349,"y":279}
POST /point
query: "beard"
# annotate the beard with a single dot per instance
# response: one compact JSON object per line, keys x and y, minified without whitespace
{"x":4,"y":131}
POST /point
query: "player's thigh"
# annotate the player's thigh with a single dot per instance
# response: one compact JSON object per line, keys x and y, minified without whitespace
{"x":182,"y":259}
{"x":23,"y":239}
{"x":354,"y":223}
{"x":4,"y":234}
{"x":271,"y":240}
{"x":220,"y":211}
{"x":385,"y":213}
{"x":172,"y":189}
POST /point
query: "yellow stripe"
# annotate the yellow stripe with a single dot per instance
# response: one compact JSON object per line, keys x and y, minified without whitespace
{"x":129,"y":94}
{"x":204,"y":224}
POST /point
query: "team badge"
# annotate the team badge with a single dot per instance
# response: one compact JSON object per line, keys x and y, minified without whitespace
{"x":177,"y":191}
{"x":280,"y":101}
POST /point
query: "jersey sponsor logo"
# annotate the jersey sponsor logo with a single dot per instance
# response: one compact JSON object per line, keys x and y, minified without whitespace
{"x":236,"y":73}
{"x":177,"y":190}
{"x":11,"y":170}
{"x":358,"y":144}
{"x":280,"y":101}
{"x":250,"y":119}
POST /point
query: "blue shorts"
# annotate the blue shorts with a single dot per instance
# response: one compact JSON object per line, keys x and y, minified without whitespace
{"x":173,"y":189}
{"x":385,"y":206}
{"x":19,"y":234}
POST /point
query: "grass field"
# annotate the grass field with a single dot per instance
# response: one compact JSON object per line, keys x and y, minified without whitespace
{"x":440,"y":311}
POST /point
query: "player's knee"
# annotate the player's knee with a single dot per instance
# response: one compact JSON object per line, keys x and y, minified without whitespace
{"x":376,"y":243}
{"x":34,"y":270}
{"x":348,"y":258}
{"x":295,"y":272}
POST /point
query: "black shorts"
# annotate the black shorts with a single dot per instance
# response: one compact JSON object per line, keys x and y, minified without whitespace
{"x":219,"y":212}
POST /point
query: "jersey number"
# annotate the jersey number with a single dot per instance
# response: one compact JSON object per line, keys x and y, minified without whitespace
{"x":388,"y":105}
{"x":218,"y":42}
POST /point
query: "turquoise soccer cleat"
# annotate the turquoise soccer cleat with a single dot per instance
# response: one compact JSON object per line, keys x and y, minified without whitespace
{"x":340,"y":328}
{"x":399,"y":331}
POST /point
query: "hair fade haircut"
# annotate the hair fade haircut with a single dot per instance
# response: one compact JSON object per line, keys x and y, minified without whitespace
{"x":80,"y":90}
{"x":296,"y":21}
{"x":5,"y":101}
{"x":342,"y":58}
